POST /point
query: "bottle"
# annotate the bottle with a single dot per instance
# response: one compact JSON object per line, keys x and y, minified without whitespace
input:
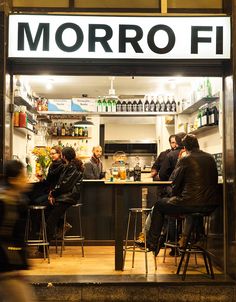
{"x":168,"y":105}
{"x":54,"y":133}
{"x":22,"y":117}
{"x":204,"y":116}
{"x":146,"y":105}
{"x":76,"y":131}
{"x":80,"y":132}
{"x":158,"y":105}
{"x":214,"y":117}
{"x":152,"y":106}
{"x":109,"y":106}
{"x":118,"y":106}
{"x":137,"y":172}
{"x":123,"y":106}
{"x":99,"y":105}
{"x":173,"y":105}
{"x":129,"y":106}
{"x":63,"y":130}
{"x":199,"y":118}
{"x":209,"y":88}
{"x":72,"y":130}
{"x":59,"y":129}
{"x":85,"y":131}
{"x":113,"y":106}
{"x":135,"y":106}
{"x":17,"y":118}
{"x":104,"y":106}
{"x":67,"y":130}
{"x":140,"y":106}
{"x":163,"y":105}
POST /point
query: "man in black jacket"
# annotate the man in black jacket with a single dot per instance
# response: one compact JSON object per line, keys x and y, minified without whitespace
{"x":194,"y":189}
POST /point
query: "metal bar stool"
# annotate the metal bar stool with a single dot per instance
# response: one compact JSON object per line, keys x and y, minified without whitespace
{"x":168,"y":243}
{"x":193,"y":248}
{"x":134,"y":212}
{"x":42,"y":240}
{"x":75,"y":238}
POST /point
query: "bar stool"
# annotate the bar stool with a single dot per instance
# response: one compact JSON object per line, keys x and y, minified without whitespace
{"x":42,"y":240}
{"x":75,"y":238}
{"x":172,"y":244}
{"x":134,"y":212}
{"x":193,"y":248}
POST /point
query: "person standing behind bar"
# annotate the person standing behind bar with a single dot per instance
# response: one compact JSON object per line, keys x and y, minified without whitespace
{"x":93,"y":168}
{"x":13,"y":213}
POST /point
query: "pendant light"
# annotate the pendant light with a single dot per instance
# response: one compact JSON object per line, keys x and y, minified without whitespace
{"x":83,"y":123}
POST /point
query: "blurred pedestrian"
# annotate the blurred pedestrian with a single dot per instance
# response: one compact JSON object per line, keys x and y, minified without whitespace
{"x":13,"y":213}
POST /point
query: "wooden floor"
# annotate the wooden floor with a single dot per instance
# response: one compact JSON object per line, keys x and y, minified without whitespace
{"x":99,"y":260}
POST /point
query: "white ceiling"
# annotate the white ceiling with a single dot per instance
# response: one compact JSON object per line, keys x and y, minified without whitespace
{"x":94,"y":86}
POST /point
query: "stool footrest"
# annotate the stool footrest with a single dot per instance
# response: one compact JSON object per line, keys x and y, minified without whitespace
{"x":68,"y":238}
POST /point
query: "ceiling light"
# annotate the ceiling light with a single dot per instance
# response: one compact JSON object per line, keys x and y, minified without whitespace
{"x":83,"y":123}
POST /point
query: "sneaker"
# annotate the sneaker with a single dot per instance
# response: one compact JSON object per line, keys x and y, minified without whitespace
{"x":68,"y":227}
{"x":183,"y":242}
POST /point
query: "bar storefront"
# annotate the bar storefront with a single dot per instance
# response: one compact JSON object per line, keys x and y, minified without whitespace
{"x":139,"y":80}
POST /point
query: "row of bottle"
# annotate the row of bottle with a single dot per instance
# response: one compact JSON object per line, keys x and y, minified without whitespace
{"x":20,"y":117}
{"x":208,"y":115}
{"x":158,"y":104}
{"x":81,"y":147}
{"x":64,"y":129}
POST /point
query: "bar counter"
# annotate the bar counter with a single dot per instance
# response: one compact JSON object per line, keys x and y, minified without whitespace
{"x":105,"y":213}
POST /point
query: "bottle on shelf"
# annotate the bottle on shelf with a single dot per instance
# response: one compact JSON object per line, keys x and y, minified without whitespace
{"x":71,"y":130}
{"x":208,"y":88}
{"x":140,"y":106}
{"x":129,"y":106}
{"x":99,"y":105}
{"x":59,"y":127}
{"x":205,"y":115}
{"x":54,"y":132}
{"x":173,"y":105}
{"x":118,"y":106}
{"x":152,"y":106}
{"x":67,"y":130}
{"x":113,"y":106}
{"x":168,"y":105}
{"x":199,"y":118}
{"x":146,"y":105}
{"x":163,"y":105}
{"x":109,"y":105}
{"x":213,"y":114}
{"x":135,"y":106}
{"x":158,"y":105}
{"x":17,"y":118}
{"x":123,"y":106}
{"x":85,"y":134}
{"x":76,"y":131}
{"x":63,"y":130}
{"x":104,"y":105}
{"x":22,"y":117}
{"x":81,"y":131}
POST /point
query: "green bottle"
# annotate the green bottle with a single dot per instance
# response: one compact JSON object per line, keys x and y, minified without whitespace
{"x":99,"y":105}
{"x":209,"y":88}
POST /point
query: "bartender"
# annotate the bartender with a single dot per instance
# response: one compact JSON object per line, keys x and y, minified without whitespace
{"x":93,"y":168}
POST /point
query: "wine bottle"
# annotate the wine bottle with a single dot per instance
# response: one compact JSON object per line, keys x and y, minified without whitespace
{"x":146,"y":105}
{"x":152,"y":105}
{"x":168,"y":105}
{"x":158,"y":105}
{"x":129,"y":106}
{"x":140,"y":106}
{"x":123,"y":106}
{"x":135,"y":106}
{"x":118,"y":106}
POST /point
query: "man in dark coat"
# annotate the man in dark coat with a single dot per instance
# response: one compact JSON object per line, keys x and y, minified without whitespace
{"x":93,"y":168}
{"x":194,"y":189}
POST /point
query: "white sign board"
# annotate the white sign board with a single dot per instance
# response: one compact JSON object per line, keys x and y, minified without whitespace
{"x":77,"y":37}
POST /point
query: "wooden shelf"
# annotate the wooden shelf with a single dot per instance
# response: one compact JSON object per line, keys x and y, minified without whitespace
{"x":194,"y":107}
{"x":203,"y":129}
{"x":18,"y":100}
{"x":73,"y":114}
{"x":69,"y":137}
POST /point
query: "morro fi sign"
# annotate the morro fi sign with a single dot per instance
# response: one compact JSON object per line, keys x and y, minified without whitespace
{"x":41,"y":36}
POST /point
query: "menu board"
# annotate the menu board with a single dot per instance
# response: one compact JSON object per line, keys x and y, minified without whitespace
{"x":219,"y":163}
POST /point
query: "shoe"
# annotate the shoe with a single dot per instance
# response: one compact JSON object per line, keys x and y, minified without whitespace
{"x":68,"y":227}
{"x":140,"y":244}
{"x":174,"y":252}
{"x":59,"y":234}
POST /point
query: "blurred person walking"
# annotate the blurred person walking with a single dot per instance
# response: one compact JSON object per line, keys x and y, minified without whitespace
{"x":13,"y":213}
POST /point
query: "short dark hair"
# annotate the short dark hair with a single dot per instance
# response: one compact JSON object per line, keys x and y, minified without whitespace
{"x":171,"y":136}
{"x":190,"y":142}
{"x":12,"y":168}
{"x":178,"y":137}
{"x":68,"y":153}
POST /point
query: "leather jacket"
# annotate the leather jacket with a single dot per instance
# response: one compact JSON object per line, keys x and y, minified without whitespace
{"x":169,"y":163}
{"x":68,"y":186}
{"x":195,"y":180}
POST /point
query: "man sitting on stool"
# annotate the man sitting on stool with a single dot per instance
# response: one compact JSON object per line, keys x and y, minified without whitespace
{"x":194,"y":190}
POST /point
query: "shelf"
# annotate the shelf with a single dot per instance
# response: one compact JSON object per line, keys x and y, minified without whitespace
{"x":23,"y":130}
{"x":203,"y":129}
{"x":71,"y":115}
{"x":194,"y":107}
{"x":69,"y":137}
{"x":18,"y":100}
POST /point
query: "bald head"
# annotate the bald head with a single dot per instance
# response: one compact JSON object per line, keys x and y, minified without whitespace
{"x":97,"y":151}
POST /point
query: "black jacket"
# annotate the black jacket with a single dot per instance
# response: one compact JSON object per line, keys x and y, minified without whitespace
{"x":12,"y":229}
{"x":169,"y":163}
{"x":54,"y":173}
{"x":195,"y":180}
{"x":67,"y":189}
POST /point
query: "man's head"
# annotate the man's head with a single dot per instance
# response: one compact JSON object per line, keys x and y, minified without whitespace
{"x":178,"y":137}
{"x":97,"y":151}
{"x":190,"y":142}
{"x":172,"y":142}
